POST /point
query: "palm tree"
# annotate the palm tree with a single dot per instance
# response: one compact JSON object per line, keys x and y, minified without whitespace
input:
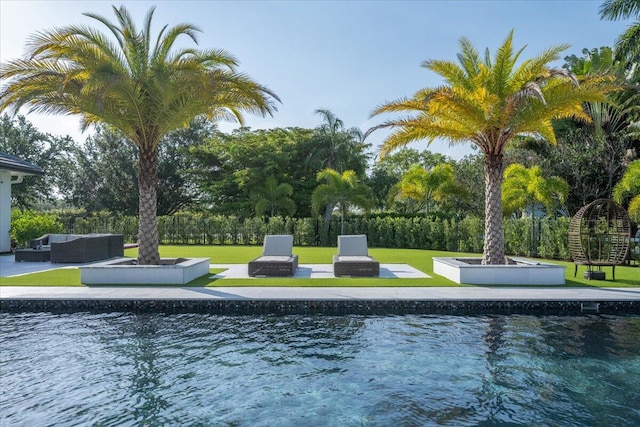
{"x":489,"y":102}
{"x":629,"y":187}
{"x":135,"y":82}
{"x":274,"y":198}
{"x":524,"y":188}
{"x":339,"y":148}
{"x":428,"y":186}
{"x":628,"y":43}
{"x":341,"y":189}
{"x":338,"y":144}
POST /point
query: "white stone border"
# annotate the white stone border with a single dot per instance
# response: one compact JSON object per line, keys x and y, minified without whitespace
{"x":525,"y":272}
{"x":106,"y":273}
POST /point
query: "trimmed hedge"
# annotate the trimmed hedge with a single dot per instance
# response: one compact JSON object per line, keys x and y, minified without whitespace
{"x":383,"y":231}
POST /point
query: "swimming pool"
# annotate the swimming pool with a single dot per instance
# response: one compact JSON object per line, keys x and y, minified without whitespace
{"x":206,"y":370}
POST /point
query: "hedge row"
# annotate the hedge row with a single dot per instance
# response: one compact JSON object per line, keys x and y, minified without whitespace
{"x":548,"y":240}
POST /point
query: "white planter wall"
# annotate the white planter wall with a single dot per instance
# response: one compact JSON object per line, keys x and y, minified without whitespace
{"x":526,"y":272}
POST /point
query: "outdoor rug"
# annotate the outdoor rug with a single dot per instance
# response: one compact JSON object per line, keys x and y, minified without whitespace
{"x":322,"y":271}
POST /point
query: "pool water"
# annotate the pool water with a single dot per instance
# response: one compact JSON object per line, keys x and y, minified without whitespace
{"x":125,"y":369}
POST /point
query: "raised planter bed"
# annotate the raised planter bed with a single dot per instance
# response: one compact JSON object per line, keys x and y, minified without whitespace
{"x":521,"y":271}
{"x":125,"y":271}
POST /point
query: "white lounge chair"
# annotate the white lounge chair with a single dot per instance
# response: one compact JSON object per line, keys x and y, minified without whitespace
{"x":353,"y":258}
{"x":277,"y":258}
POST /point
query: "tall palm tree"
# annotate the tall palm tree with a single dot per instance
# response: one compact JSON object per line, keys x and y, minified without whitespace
{"x":524,"y":188}
{"x":629,"y":188}
{"x":136,"y":82}
{"x":336,"y":141}
{"x":488,"y":101}
{"x":341,"y":189}
{"x":628,"y":43}
{"x":274,"y":198}
{"x":428,"y":186}
{"x":338,"y":148}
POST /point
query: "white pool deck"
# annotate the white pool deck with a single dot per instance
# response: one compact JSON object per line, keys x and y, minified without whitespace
{"x":428,"y":293}
{"x":475,"y":293}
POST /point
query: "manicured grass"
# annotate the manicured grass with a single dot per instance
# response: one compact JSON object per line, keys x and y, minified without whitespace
{"x":420,"y":259}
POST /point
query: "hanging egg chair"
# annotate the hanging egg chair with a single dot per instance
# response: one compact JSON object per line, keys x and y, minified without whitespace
{"x":599,"y":235}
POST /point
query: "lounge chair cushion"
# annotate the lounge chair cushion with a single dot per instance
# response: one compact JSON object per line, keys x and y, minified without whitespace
{"x":353,"y":245}
{"x":273,"y":258}
{"x":342,"y":258}
{"x":277,"y":245}
{"x":59,"y":238}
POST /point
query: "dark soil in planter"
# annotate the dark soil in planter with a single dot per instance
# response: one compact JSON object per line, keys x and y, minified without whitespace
{"x":478,"y":261}
{"x":163,"y":261}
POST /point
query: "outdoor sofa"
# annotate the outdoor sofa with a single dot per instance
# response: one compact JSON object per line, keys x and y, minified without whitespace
{"x":77,"y":248}
{"x":353,"y":258}
{"x":277,"y":258}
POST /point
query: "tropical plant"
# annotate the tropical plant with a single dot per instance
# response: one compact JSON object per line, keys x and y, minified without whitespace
{"x":387,"y":173}
{"x":337,"y":148}
{"x":274,"y":198}
{"x":628,"y":43}
{"x":428,"y":186}
{"x":628,"y":188}
{"x":524,"y":188}
{"x":489,"y":101}
{"x":340,"y":189}
{"x":135,"y":82}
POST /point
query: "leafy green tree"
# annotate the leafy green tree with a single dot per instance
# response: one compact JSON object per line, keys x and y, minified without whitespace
{"x":274,"y":199}
{"x":490,"y":101}
{"x":469,"y":172}
{"x":136,"y":82}
{"x":628,"y":189}
{"x":591,"y":165}
{"x":342,"y":190}
{"x":425,"y":187}
{"x":104,"y":175}
{"x":20,"y":138}
{"x":228,"y":167}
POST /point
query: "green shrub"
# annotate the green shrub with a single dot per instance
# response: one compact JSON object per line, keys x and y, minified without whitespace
{"x":554,"y":238}
{"x":27,"y":225}
{"x":516,"y":236}
{"x":383,"y":231}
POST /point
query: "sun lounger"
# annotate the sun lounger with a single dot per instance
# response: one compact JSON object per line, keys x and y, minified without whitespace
{"x":277,"y":258}
{"x":353,"y":258}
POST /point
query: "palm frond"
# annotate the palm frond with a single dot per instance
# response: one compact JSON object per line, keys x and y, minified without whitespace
{"x":619,"y":9}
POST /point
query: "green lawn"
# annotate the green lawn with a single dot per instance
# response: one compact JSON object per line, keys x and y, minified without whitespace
{"x":420,"y":259}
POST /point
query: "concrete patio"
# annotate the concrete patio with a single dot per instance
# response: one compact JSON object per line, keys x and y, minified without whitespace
{"x":279,"y":299}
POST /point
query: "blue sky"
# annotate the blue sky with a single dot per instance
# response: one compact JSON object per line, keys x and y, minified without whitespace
{"x":347,"y":56}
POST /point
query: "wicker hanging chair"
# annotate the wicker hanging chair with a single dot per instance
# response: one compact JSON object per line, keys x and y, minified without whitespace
{"x":599,"y":235}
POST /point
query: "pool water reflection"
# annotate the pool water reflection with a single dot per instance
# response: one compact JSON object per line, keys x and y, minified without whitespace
{"x":202,"y":370}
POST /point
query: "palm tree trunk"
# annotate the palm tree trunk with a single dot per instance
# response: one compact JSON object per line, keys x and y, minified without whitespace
{"x":148,"y":229}
{"x":493,"y":229}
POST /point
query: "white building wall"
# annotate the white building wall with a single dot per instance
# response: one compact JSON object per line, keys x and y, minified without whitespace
{"x":5,"y":210}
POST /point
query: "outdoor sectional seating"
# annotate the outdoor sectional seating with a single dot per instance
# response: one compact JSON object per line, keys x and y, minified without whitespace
{"x":353,"y":258}
{"x":277,"y":258}
{"x":80,"y":248}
